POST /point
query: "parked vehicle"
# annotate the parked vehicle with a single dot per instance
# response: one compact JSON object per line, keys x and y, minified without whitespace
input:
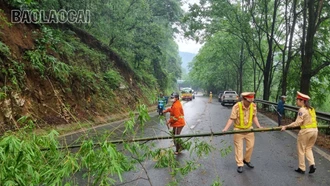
{"x":219,"y":96}
{"x":230,"y":97}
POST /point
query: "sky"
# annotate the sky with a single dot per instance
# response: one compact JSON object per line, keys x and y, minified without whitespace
{"x":184,"y":44}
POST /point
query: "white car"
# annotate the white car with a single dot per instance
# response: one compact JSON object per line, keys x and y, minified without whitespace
{"x":230,"y":97}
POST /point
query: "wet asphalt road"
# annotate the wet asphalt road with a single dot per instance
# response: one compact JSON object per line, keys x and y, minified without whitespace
{"x":274,"y":156}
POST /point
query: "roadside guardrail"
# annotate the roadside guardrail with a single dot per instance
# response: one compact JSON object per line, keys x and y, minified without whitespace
{"x":320,"y":115}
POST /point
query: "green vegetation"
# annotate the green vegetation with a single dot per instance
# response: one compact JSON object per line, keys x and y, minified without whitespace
{"x":128,"y":48}
{"x":258,"y":46}
{"x":12,"y":70}
{"x":140,"y":32}
{"x":30,"y":159}
{"x":135,"y":58}
{"x":124,"y":57}
{"x":4,"y":49}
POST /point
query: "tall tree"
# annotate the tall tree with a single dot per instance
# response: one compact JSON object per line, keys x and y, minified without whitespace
{"x":287,"y":49}
{"x":313,"y":16}
{"x":255,"y":24}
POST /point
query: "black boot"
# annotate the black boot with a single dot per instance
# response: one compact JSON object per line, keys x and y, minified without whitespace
{"x":312,"y":169}
{"x":248,"y":164}
{"x":300,"y":171}
{"x":239,"y":169}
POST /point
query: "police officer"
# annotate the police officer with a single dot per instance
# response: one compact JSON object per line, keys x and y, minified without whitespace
{"x":176,"y":121}
{"x":210,"y":99}
{"x":307,"y":135}
{"x":243,"y":114}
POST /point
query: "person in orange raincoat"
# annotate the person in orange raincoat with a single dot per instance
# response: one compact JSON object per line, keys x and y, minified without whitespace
{"x":176,"y":121}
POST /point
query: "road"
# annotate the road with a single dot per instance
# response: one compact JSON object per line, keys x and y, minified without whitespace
{"x":274,"y":156}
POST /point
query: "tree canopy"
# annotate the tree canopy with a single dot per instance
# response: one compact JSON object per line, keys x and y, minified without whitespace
{"x":263,"y":46}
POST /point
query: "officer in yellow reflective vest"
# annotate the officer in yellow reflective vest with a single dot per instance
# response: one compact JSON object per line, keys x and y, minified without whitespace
{"x":307,"y":135}
{"x":243,"y":114}
{"x":210,"y":98}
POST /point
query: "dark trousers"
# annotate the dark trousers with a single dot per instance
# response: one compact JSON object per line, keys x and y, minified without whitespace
{"x":279,"y":119}
{"x":177,"y":142}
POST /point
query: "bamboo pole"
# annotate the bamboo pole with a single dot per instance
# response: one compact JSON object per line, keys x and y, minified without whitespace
{"x":196,"y":135}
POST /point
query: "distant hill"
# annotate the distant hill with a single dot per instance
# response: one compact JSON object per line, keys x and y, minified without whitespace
{"x":186,"y":58}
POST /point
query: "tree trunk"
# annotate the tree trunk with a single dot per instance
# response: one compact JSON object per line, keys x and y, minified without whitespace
{"x":267,"y":70}
{"x":269,"y":63}
{"x":307,"y":49}
{"x":240,"y":69}
{"x":290,"y":33}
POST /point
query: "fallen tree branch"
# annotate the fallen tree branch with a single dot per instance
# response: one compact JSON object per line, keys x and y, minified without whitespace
{"x":194,"y":135}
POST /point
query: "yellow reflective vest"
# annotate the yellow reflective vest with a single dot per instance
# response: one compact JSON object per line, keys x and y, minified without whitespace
{"x":313,"y":117}
{"x":241,"y":117}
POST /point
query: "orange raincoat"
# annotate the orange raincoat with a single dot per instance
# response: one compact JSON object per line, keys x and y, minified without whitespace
{"x":176,"y":115}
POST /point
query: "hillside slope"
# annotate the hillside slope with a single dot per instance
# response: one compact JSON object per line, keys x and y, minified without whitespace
{"x":57,"y":75}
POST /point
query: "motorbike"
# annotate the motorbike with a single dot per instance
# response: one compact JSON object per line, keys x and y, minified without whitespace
{"x":160,"y":107}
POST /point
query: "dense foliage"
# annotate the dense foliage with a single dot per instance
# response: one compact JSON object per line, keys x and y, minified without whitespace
{"x":140,"y":31}
{"x":30,"y":159}
{"x":263,"y":46}
{"x":271,"y":47}
{"x":127,"y":48}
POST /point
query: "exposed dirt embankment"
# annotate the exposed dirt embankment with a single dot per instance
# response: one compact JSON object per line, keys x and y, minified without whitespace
{"x":26,"y":94}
